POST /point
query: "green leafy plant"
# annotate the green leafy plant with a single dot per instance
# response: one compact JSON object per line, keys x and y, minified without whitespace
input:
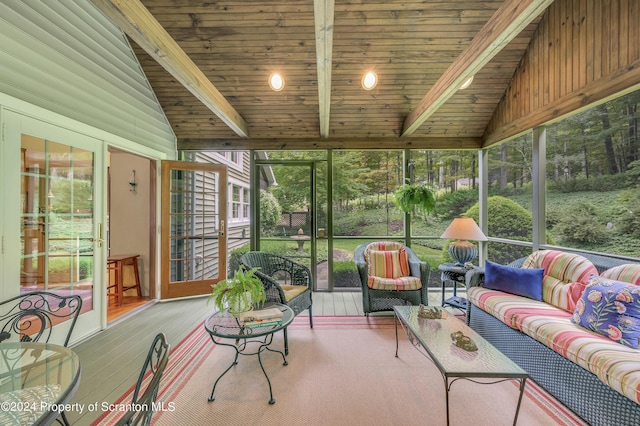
{"x":238,"y":293}
{"x":420,"y":197}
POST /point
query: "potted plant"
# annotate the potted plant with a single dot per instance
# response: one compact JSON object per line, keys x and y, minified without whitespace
{"x":420,"y":197}
{"x":239,"y":293}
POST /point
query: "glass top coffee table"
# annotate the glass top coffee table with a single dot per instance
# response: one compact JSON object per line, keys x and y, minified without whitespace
{"x":248,"y":341}
{"x":433,"y":337}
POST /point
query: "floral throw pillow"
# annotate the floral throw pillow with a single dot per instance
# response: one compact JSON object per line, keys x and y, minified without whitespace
{"x":610,"y":308}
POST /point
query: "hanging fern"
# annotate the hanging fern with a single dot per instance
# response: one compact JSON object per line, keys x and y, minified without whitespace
{"x":420,"y":197}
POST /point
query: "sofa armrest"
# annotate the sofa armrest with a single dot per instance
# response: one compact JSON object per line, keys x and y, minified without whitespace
{"x":474,"y":277}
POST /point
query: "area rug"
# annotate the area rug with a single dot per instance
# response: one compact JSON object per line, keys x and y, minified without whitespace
{"x":341,"y":372}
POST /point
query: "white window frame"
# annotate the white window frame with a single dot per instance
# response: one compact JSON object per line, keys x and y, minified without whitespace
{"x":242,"y":204}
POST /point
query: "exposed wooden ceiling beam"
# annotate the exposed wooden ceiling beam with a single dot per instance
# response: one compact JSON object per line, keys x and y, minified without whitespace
{"x":275,"y":144}
{"x":323,"y":14}
{"x":511,"y":18}
{"x":138,"y":23}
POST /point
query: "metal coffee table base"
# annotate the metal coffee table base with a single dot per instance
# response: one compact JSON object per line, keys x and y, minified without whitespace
{"x":448,"y":383}
{"x":241,"y":349}
{"x":434,"y":345}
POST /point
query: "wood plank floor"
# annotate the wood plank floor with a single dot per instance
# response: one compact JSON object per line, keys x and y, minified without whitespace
{"x":111,"y":360}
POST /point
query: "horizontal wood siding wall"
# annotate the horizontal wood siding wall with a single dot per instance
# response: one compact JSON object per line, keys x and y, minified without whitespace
{"x":235,"y":233}
{"x":583,"y":52}
{"x":66,"y":57}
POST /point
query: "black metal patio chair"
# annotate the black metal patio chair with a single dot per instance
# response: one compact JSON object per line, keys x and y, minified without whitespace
{"x":31,"y":317}
{"x":148,"y":384}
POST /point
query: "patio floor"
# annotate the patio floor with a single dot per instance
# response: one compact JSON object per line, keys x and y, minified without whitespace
{"x":111,"y":360}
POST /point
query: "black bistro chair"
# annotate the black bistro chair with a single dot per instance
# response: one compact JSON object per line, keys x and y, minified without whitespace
{"x":285,"y":281}
{"x":30,"y":317}
{"x":148,"y":384}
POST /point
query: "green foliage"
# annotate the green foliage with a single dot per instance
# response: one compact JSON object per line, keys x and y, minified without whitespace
{"x":270,"y":212}
{"x":629,"y":222}
{"x":582,"y":225}
{"x":507,"y":219}
{"x":345,"y":274}
{"x":242,"y":289}
{"x":353,"y":223}
{"x":453,"y":204}
{"x":418,"y":197}
{"x":596,"y":183}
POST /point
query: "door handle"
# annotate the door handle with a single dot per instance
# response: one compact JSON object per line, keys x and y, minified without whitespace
{"x":99,"y":240}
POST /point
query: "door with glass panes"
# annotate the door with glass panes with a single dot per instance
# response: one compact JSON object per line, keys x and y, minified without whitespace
{"x":52,"y":211}
{"x":194,"y":212}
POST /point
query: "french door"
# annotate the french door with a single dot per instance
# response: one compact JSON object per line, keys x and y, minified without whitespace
{"x":194,"y":213}
{"x":52,"y":211}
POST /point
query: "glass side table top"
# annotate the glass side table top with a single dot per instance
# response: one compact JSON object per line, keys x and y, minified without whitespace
{"x":222,"y":324}
{"x":38,"y":375}
{"x":434,"y":335}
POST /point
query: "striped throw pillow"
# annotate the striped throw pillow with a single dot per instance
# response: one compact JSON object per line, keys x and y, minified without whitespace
{"x":388,"y":263}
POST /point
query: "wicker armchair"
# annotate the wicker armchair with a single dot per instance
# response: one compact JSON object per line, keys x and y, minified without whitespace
{"x":284,"y":280}
{"x":376,"y":299}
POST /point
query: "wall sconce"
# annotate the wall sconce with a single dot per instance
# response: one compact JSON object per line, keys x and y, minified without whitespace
{"x":132,"y":182}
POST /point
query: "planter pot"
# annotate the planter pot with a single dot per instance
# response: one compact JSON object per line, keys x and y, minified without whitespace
{"x":239,"y":305}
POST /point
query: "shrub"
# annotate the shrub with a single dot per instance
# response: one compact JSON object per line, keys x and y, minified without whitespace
{"x":582,"y":225}
{"x":507,"y":219}
{"x":453,"y":204}
{"x":270,"y":212}
{"x":345,"y":274}
{"x":629,"y":222}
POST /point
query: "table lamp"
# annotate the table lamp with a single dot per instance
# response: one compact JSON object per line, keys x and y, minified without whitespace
{"x":463,"y":229}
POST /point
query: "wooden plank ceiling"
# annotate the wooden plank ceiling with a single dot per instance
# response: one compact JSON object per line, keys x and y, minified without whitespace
{"x":209,"y":62}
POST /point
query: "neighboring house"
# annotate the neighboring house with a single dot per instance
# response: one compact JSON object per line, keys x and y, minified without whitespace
{"x":238,"y":192}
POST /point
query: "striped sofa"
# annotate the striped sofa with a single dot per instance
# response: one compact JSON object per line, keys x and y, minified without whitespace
{"x":596,"y":377}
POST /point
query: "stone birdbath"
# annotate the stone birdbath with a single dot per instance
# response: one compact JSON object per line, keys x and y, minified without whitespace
{"x":300,"y":238}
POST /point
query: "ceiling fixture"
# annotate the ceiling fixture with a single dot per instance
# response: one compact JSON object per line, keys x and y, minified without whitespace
{"x":276,"y":82}
{"x":369,"y":80}
{"x":467,"y":83}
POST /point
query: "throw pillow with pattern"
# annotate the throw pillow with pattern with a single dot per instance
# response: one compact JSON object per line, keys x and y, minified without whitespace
{"x":610,"y":308}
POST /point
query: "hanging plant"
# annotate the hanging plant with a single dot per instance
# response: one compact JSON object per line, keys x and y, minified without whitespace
{"x":416,"y":197}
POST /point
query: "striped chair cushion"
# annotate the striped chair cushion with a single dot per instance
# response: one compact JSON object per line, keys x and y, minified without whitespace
{"x":401,"y":283}
{"x":566,"y":276}
{"x":388,"y":263}
{"x":629,"y":273}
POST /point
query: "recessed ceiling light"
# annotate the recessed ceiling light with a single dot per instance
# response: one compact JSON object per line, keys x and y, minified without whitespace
{"x":467,"y":83}
{"x":369,"y":80}
{"x":276,"y":82}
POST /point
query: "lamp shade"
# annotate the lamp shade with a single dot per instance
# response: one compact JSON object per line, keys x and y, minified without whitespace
{"x":464,"y":228}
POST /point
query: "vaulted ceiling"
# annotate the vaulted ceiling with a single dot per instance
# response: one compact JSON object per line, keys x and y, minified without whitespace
{"x":209,"y":61}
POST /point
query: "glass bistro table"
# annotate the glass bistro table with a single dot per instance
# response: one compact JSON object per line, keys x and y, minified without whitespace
{"x":248,"y":341}
{"x":433,"y":337}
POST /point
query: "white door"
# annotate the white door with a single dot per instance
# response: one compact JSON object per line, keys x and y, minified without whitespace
{"x":52,"y":215}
